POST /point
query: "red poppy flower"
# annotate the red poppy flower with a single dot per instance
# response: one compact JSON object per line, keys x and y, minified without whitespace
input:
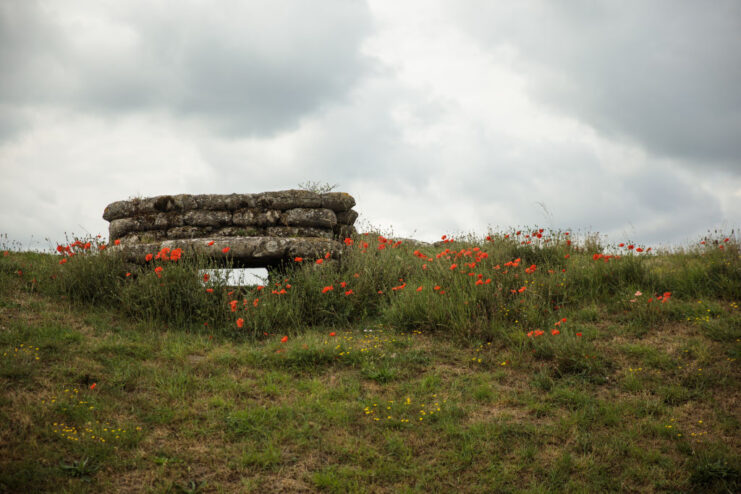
{"x":630,"y":247}
{"x":343,"y":284}
{"x":327,"y":289}
{"x":284,"y":339}
{"x":211,"y":243}
{"x":621,"y":245}
{"x":298,"y":259}
{"x":555,"y":332}
{"x":210,"y":290}
{"x":240,"y":323}
{"x":117,"y":242}
{"x":159,"y":270}
{"x":522,"y":289}
{"x":64,"y":260}
{"x":326,"y":256}
{"x":128,"y":274}
{"x":639,"y":249}
{"x":348,"y":241}
{"x":349,"y":292}
{"x":332,"y":333}
{"x":255,"y":302}
{"x":319,"y":261}
{"x":92,"y":386}
{"x":225,"y":250}
{"x":578,"y":334}
{"x":148,"y":257}
{"x":453,"y":266}
{"x":419,"y":289}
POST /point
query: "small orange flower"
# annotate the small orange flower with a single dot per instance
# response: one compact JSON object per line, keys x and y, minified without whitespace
{"x":327,"y":289}
{"x":326,"y":256}
{"x":419,"y":289}
{"x":349,"y":292}
{"x":176,"y":254}
{"x":158,"y":270}
{"x":148,"y":257}
{"x":298,"y":259}
{"x":319,"y":261}
{"x":63,"y":261}
{"x":284,"y":339}
{"x":92,"y":386}
{"x":555,"y":332}
{"x":240,"y":323}
{"x":128,"y":274}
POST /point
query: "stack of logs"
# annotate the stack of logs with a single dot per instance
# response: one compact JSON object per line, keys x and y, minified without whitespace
{"x":261,"y":230}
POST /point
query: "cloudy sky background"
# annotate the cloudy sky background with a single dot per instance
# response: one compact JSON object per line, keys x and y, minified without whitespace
{"x":620,"y":117}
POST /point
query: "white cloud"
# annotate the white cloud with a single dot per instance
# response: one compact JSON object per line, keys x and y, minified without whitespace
{"x":433,"y":125}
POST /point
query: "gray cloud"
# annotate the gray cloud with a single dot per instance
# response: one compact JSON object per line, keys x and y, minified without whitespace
{"x":663,"y":74}
{"x":242,"y":69}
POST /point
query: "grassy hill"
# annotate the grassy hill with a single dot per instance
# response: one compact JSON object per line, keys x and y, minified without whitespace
{"x":520,"y":362}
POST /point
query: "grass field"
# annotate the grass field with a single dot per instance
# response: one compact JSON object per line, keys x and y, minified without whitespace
{"x":520,"y":362}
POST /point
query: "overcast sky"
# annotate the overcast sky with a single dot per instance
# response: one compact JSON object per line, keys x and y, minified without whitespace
{"x":439,"y":117}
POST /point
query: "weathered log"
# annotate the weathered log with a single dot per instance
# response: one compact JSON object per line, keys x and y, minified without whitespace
{"x":319,"y":218}
{"x":241,"y":252}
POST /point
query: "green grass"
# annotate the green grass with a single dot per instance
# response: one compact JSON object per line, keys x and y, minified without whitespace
{"x":146,"y":382}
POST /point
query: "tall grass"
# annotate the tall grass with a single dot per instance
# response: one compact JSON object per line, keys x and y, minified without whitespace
{"x":473,"y":287}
